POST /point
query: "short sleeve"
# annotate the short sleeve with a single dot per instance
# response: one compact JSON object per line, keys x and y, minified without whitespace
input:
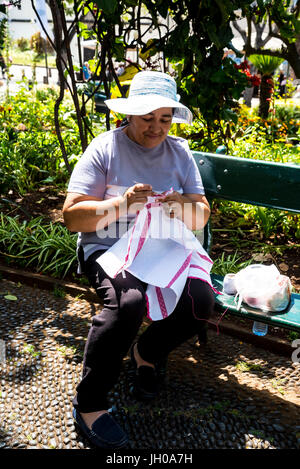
{"x":193,"y":183}
{"x":89,"y":174}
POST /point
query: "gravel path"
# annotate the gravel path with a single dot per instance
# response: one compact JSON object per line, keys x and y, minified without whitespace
{"x":227,"y":394}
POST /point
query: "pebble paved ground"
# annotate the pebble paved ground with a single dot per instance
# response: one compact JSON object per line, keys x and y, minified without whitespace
{"x":227,"y":394}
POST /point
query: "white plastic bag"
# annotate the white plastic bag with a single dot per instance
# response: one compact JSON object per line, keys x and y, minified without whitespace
{"x":263,"y":287}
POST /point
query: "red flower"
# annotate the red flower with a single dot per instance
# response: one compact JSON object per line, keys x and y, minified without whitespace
{"x":245,"y":65}
{"x":255,"y":80}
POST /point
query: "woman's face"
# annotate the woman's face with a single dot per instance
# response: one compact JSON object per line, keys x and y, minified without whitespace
{"x":150,"y":129}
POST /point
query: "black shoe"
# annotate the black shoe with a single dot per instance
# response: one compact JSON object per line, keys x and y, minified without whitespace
{"x":147,"y":380}
{"x":105,"y":432}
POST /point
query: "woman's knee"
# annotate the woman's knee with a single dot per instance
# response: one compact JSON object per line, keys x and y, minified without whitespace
{"x":125,"y":312}
{"x":133,"y":302}
{"x":202,"y":296}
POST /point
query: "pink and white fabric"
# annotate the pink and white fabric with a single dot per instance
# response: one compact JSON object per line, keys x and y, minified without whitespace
{"x":162,"y":252}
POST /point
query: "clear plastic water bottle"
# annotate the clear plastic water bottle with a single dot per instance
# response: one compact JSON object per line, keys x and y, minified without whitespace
{"x":259,"y":328}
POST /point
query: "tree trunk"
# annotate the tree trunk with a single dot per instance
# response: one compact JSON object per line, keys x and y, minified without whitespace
{"x":59,"y":65}
{"x":293,"y":57}
{"x":265,"y":95}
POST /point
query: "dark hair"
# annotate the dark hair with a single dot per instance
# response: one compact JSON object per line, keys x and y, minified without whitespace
{"x":124,"y":122}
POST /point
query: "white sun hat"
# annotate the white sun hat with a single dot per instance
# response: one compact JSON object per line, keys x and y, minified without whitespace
{"x":150,"y":91}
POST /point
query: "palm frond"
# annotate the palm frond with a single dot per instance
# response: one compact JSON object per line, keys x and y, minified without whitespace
{"x":265,"y":64}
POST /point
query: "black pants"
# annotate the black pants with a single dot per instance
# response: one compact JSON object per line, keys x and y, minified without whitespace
{"x":114,"y":329}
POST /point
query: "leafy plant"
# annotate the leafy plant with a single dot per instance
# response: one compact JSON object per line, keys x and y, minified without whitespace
{"x":293,"y":335}
{"x":67,"y":351}
{"x":229,"y":264}
{"x":29,"y":152}
{"x":245,"y":366}
{"x":23,"y":44}
{"x":268,"y":220}
{"x":266,"y":65}
{"x":30,"y":350}
{"x":58,"y":292}
{"x":49,"y":247}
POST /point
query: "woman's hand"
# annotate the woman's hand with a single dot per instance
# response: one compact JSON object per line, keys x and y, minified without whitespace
{"x":192,"y":209}
{"x":136,"y":196}
{"x":173,"y":204}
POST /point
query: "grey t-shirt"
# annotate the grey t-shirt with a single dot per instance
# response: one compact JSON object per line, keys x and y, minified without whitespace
{"x":113,"y":162}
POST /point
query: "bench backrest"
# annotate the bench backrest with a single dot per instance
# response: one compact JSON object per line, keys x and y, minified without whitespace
{"x":254,"y":182}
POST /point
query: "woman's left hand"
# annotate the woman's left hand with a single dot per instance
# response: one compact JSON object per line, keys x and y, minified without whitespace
{"x":192,"y":209}
{"x":173,"y":204}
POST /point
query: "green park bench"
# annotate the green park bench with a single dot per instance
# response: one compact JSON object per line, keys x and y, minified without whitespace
{"x":252,"y":182}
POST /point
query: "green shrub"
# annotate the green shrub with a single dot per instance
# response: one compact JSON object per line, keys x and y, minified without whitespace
{"x":29,"y":150}
{"x":267,"y":221}
{"x":46,"y":247}
{"x":23,"y":44}
{"x":231,"y":263}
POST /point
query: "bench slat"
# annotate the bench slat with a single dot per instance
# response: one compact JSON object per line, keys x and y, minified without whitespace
{"x":249,"y":181}
{"x":289,"y":319}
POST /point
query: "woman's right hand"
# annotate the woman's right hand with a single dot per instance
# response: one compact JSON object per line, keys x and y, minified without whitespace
{"x":136,"y":196}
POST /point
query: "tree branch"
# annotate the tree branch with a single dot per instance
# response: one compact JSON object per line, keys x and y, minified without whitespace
{"x":240,"y":30}
{"x":272,"y":52}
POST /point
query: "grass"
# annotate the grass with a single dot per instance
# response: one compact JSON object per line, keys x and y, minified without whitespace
{"x":246,"y":367}
{"x":67,"y":351}
{"x":58,"y":292}
{"x":27,"y":58}
{"x":293,"y":335}
{"x":48,"y":247}
{"x":277,"y":384}
{"x":229,"y":264}
{"x":29,"y":349}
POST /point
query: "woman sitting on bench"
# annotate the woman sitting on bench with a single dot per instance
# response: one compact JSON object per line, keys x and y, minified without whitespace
{"x":111,"y":184}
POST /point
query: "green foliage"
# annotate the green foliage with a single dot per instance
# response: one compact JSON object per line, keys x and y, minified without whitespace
{"x":265,"y":64}
{"x":281,"y":13}
{"x":293,"y":335}
{"x":29,"y":151}
{"x":3,"y":24}
{"x":44,"y":246}
{"x":247,"y":366}
{"x":264,"y":221}
{"x":282,"y":20}
{"x":23,"y":44}
{"x":194,"y":45}
{"x":288,"y":113}
{"x":273,"y":139}
{"x":231,"y":263}
{"x":207,"y":81}
{"x":108,"y":6}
